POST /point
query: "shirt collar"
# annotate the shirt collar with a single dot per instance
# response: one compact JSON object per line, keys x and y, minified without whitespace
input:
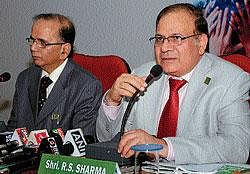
{"x":185,"y":77}
{"x":56,"y":73}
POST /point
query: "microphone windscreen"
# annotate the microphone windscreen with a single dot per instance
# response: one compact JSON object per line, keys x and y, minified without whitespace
{"x":57,"y":131}
{"x":76,"y":137}
{"x":21,"y":135}
{"x":156,"y":70}
{"x":36,"y":136}
{"x":5,"y":77}
{"x":67,"y":148}
{"x":5,"y":137}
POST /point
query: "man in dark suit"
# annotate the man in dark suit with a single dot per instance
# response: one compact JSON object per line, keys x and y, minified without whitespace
{"x":73,"y":95}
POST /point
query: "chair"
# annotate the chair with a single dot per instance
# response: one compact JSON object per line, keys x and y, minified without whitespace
{"x":243,"y":62}
{"x":239,"y":60}
{"x":106,"y":68}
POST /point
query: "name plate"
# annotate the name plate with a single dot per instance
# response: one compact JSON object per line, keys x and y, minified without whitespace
{"x":55,"y":164}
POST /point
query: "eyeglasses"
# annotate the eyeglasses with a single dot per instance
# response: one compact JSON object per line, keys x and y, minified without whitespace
{"x":174,"y":40}
{"x":41,"y":43}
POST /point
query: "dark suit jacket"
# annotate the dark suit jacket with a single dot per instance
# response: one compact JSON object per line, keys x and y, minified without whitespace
{"x":72,"y":103}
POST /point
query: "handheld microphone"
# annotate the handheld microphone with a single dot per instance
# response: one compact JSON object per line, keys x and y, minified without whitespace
{"x":5,"y":77}
{"x":155,"y":72}
{"x":108,"y":150}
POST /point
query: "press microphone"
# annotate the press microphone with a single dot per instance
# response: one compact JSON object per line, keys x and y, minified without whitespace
{"x":53,"y":144}
{"x":76,"y":138}
{"x":21,"y":135}
{"x":5,"y":137}
{"x":9,"y":144}
{"x":5,"y":77}
{"x":36,"y":136}
{"x":108,"y":150}
{"x":49,"y":145}
{"x":66,"y":148}
{"x":57,"y":131}
{"x":9,"y":147}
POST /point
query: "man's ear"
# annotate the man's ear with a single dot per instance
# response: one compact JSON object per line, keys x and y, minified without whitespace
{"x":65,"y":50}
{"x":203,"y":41}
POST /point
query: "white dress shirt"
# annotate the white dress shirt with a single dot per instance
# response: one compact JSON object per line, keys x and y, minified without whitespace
{"x":53,"y":76}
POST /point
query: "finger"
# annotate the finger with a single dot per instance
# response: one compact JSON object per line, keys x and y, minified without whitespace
{"x":247,"y":6}
{"x":228,"y":35}
{"x":240,"y":11}
{"x":214,"y":13}
{"x":232,"y":22}
{"x":127,"y":84}
{"x":212,"y":28}
{"x":237,"y":47}
{"x":135,"y":81}
{"x":224,"y":19}
{"x":126,"y":143}
{"x":126,"y":151}
{"x":218,"y":27}
{"x":208,"y":7}
{"x":129,"y":153}
{"x":211,"y":18}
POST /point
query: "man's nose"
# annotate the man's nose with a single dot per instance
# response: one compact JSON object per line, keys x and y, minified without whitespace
{"x":166,"y":46}
{"x":33,"y":46}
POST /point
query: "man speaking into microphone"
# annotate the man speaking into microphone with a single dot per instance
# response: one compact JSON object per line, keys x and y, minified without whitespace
{"x":197,"y":109}
{"x":55,"y":92}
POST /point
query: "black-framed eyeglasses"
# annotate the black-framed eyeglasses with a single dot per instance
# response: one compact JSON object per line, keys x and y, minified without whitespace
{"x":174,"y":40}
{"x":41,"y":43}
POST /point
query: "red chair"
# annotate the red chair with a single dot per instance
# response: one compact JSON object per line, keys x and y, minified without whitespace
{"x":106,"y":68}
{"x":240,"y":60}
{"x":243,"y":62}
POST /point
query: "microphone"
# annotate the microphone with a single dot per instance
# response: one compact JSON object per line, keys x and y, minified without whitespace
{"x":5,"y":137}
{"x":76,"y":138}
{"x":57,"y":131}
{"x":155,"y":72}
{"x":64,"y":149}
{"x":36,"y":136}
{"x":49,"y":145}
{"x":5,"y":77}
{"x":9,"y":144}
{"x":21,"y":135}
{"x":108,"y":150}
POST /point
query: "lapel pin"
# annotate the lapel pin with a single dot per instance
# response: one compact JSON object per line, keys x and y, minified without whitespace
{"x":207,"y":80}
{"x":55,"y":117}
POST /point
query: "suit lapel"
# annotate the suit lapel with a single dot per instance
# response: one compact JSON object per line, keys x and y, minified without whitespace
{"x":57,"y":94}
{"x":196,"y":87}
{"x":33,"y":90}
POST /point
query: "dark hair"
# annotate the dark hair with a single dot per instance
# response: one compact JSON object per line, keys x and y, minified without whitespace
{"x":201,"y":25}
{"x":66,"y":32}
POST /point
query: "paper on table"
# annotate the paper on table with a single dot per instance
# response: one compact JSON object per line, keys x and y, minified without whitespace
{"x":170,"y":167}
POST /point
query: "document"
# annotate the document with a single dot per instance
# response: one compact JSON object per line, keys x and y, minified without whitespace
{"x":170,"y":167}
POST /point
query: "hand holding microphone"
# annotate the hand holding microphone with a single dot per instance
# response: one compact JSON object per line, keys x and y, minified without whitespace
{"x":130,"y":85}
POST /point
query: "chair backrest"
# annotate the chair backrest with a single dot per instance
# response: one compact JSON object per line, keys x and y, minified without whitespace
{"x":239,"y":60}
{"x":106,"y":68}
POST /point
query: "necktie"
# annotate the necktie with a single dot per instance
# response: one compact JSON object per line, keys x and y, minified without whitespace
{"x":168,"y":121}
{"x":44,"y":83}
